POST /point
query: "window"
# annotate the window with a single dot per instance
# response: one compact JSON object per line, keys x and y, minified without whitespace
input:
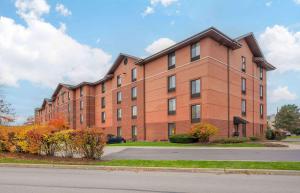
{"x":133,"y":132}
{"x":119,"y":80}
{"x":134,"y":112}
{"x":243,"y":63}
{"x":119,"y":97}
{"x":69,"y":107}
{"x":102,"y":102}
{"x":243,"y":107}
{"x":125,"y":60}
{"x":81,"y":91}
{"x":261,"y":129}
{"x":171,"y":129}
{"x":69,"y":96}
{"x":103,"y":117}
{"x":119,"y":114}
{"x":261,"y":91}
{"x":103,"y":87}
{"x":195,"y":51}
{"x":133,"y":93}
{"x":62,"y":97}
{"x":261,"y":110}
{"x":133,"y":74}
{"x":195,"y":88}
{"x":195,"y":113}
{"x":81,"y":105}
{"x":172,"y":106}
{"x":81,"y":118}
{"x":119,"y":131}
{"x":261,"y":71}
{"x":243,"y":86}
{"x":172,"y":83}
{"x":171,"y":61}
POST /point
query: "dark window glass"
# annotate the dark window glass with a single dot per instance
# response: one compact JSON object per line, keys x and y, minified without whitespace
{"x":261,"y":91}
{"x":171,"y":60}
{"x":125,"y":60}
{"x":133,"y":74}
{"x":134,"y":112}
{"x":119,"y":97}
{"x":172,"y":83}
{"x":261,"y":72}
{"x":243,"y":63}
{"x":195,"y":113}
{"x":261,"y":110}
{"x":243,"y":86}
{"x":119,"y":81}
{"x":195,"y":88}
{"x":81,"y":91}
{"x":81,"y":118}
{"x":195,"y":51}
{"x":133,"y":93}
{"x":81,"y":105}
{"x":102,"y":102}
{"x":103,"y":117}
{"x":103,"y":87}
{"x":243,"y":107}
{"x":172,"y":106}
{"x":133,"y":132}
{"x":171,"y":129}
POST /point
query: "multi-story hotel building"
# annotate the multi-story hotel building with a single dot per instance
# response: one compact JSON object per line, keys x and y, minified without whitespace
{"x":208,"y":77}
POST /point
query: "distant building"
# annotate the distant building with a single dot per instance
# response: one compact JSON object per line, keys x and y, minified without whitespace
{"x":271,"y":120}
{"x":29,"y":121}
{"x":208,"y":77}
{"x":6,"y":119}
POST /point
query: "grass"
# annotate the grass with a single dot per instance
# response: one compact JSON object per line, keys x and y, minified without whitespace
{"x":170,"y":163}
{"x":169,"y":144}
{"x":294,"y":137}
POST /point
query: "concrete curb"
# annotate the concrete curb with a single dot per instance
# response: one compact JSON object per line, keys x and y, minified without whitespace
{"x":208,"y":148}
{"x":158,"y":169}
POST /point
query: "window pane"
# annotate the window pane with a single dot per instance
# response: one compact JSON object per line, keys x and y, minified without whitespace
{"x":171,"y":129}
{"x":195,"y":50}
{"x":171,"y":59}
{"x":196,"y":112}
{"x":196,"y":86}
{"x":172,"y":104}
{"x":172,"y":82}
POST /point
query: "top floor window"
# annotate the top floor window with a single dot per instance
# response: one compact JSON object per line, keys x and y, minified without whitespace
{"x":261,"y":91}
{"x":243,"y":63}
{"x":195,"y":88}
{"x":81,"y":91}
{"x":69,"y":97}
{"x":119,"y":80}
{"x":171,"y":83}
{"x":119,"y":97}
{"x":261,"y":72}
{"x":133,"y":74}
{"x":81,"y":105}
{"x":171,"y":60}
{"x":195,"y":51}
{"x":103,"y":87}
{"x":63,"y":97}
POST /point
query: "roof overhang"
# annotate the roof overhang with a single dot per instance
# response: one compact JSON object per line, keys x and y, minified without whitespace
{"x":239,"y":120}
{"x":264,"y":63}
{"x":119,"y":60}
{"x":210,"y":32}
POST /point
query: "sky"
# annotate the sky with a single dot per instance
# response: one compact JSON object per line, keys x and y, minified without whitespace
{"x":44,"y":42}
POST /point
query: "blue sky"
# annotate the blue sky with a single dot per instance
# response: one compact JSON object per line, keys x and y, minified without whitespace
{"x":41,"y":40}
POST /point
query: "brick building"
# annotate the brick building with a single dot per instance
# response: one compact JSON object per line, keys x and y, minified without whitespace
{"x":208,"y":77}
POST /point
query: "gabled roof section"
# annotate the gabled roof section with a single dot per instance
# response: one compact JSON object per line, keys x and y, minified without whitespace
{"x":59,"y":86}
{"x":256,"y":51}
{"x":118,"y":61}
{"x":46,"y":100}
{"x":211,"y":32}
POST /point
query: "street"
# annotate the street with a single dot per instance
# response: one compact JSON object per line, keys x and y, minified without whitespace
{"x":39,"y":180}
{"x":205,"y":154}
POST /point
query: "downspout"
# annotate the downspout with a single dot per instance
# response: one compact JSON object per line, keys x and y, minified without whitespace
{"x":228,"y":92}
{"x":144,"y":93}
{"x":253,"y":98}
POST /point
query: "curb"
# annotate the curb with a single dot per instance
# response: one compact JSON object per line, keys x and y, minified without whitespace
{"x":158,"y":169}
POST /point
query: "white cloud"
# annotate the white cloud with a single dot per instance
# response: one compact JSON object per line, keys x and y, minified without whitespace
{"x":32,"y":9}
{"x":60,"y":8}
{"x":44,"y":54}
{"x":149,"y":10}
{"x":165,"y":3}
{"x":282,"y":47}
{"x":282,"y":93}
{"x":297,"y":2}
{"x":269,"y":3}
{"x":159,"y":45}
{"x":62,"y":27}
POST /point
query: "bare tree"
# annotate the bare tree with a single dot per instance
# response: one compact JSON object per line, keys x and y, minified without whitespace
{"x":5,"y":107}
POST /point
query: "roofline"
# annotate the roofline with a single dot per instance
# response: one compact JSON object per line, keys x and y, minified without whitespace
{"x":230,"y":43}
{"x":251,"y":34}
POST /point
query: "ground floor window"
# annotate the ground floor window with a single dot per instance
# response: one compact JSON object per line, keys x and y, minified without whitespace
{"x":171,"y":129}
{"x":261,"y":129}
{"x":119,"y":131}
{"x":133,"y":132}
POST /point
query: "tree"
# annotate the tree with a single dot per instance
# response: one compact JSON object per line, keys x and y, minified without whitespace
{"x":5,"y":108}
{"x":288,"y":118}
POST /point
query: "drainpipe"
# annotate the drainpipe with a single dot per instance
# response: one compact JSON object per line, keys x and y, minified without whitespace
{"x":144,"y":93}
{"x":228,"y":91}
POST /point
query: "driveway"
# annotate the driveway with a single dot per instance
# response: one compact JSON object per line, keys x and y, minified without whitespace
{"x":205,"y":154}
{"x":40,"y":180}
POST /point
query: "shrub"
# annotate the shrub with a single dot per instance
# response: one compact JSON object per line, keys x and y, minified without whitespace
{"x":89,"y":142}
{"x":254,"y":138}
{"x":275,"y":134}
{"x":270,"y":134}
{"x":65,"y":142}
{"x":204,"y":131}
{"x":297,"y":131}
{"x":231,"y":140}
{"x":183,"y":138}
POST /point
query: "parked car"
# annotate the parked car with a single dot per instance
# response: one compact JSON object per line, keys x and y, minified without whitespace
{"x":111,"y":139}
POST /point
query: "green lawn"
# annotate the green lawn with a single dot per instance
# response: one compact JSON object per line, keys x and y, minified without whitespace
{"x":173,"y":164}
{"x":168,"y":144}
{"x":294,"y":137}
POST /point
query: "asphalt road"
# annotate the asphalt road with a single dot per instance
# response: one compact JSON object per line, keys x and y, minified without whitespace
{"x":38,"y":180}
{"x":206,"y":154}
